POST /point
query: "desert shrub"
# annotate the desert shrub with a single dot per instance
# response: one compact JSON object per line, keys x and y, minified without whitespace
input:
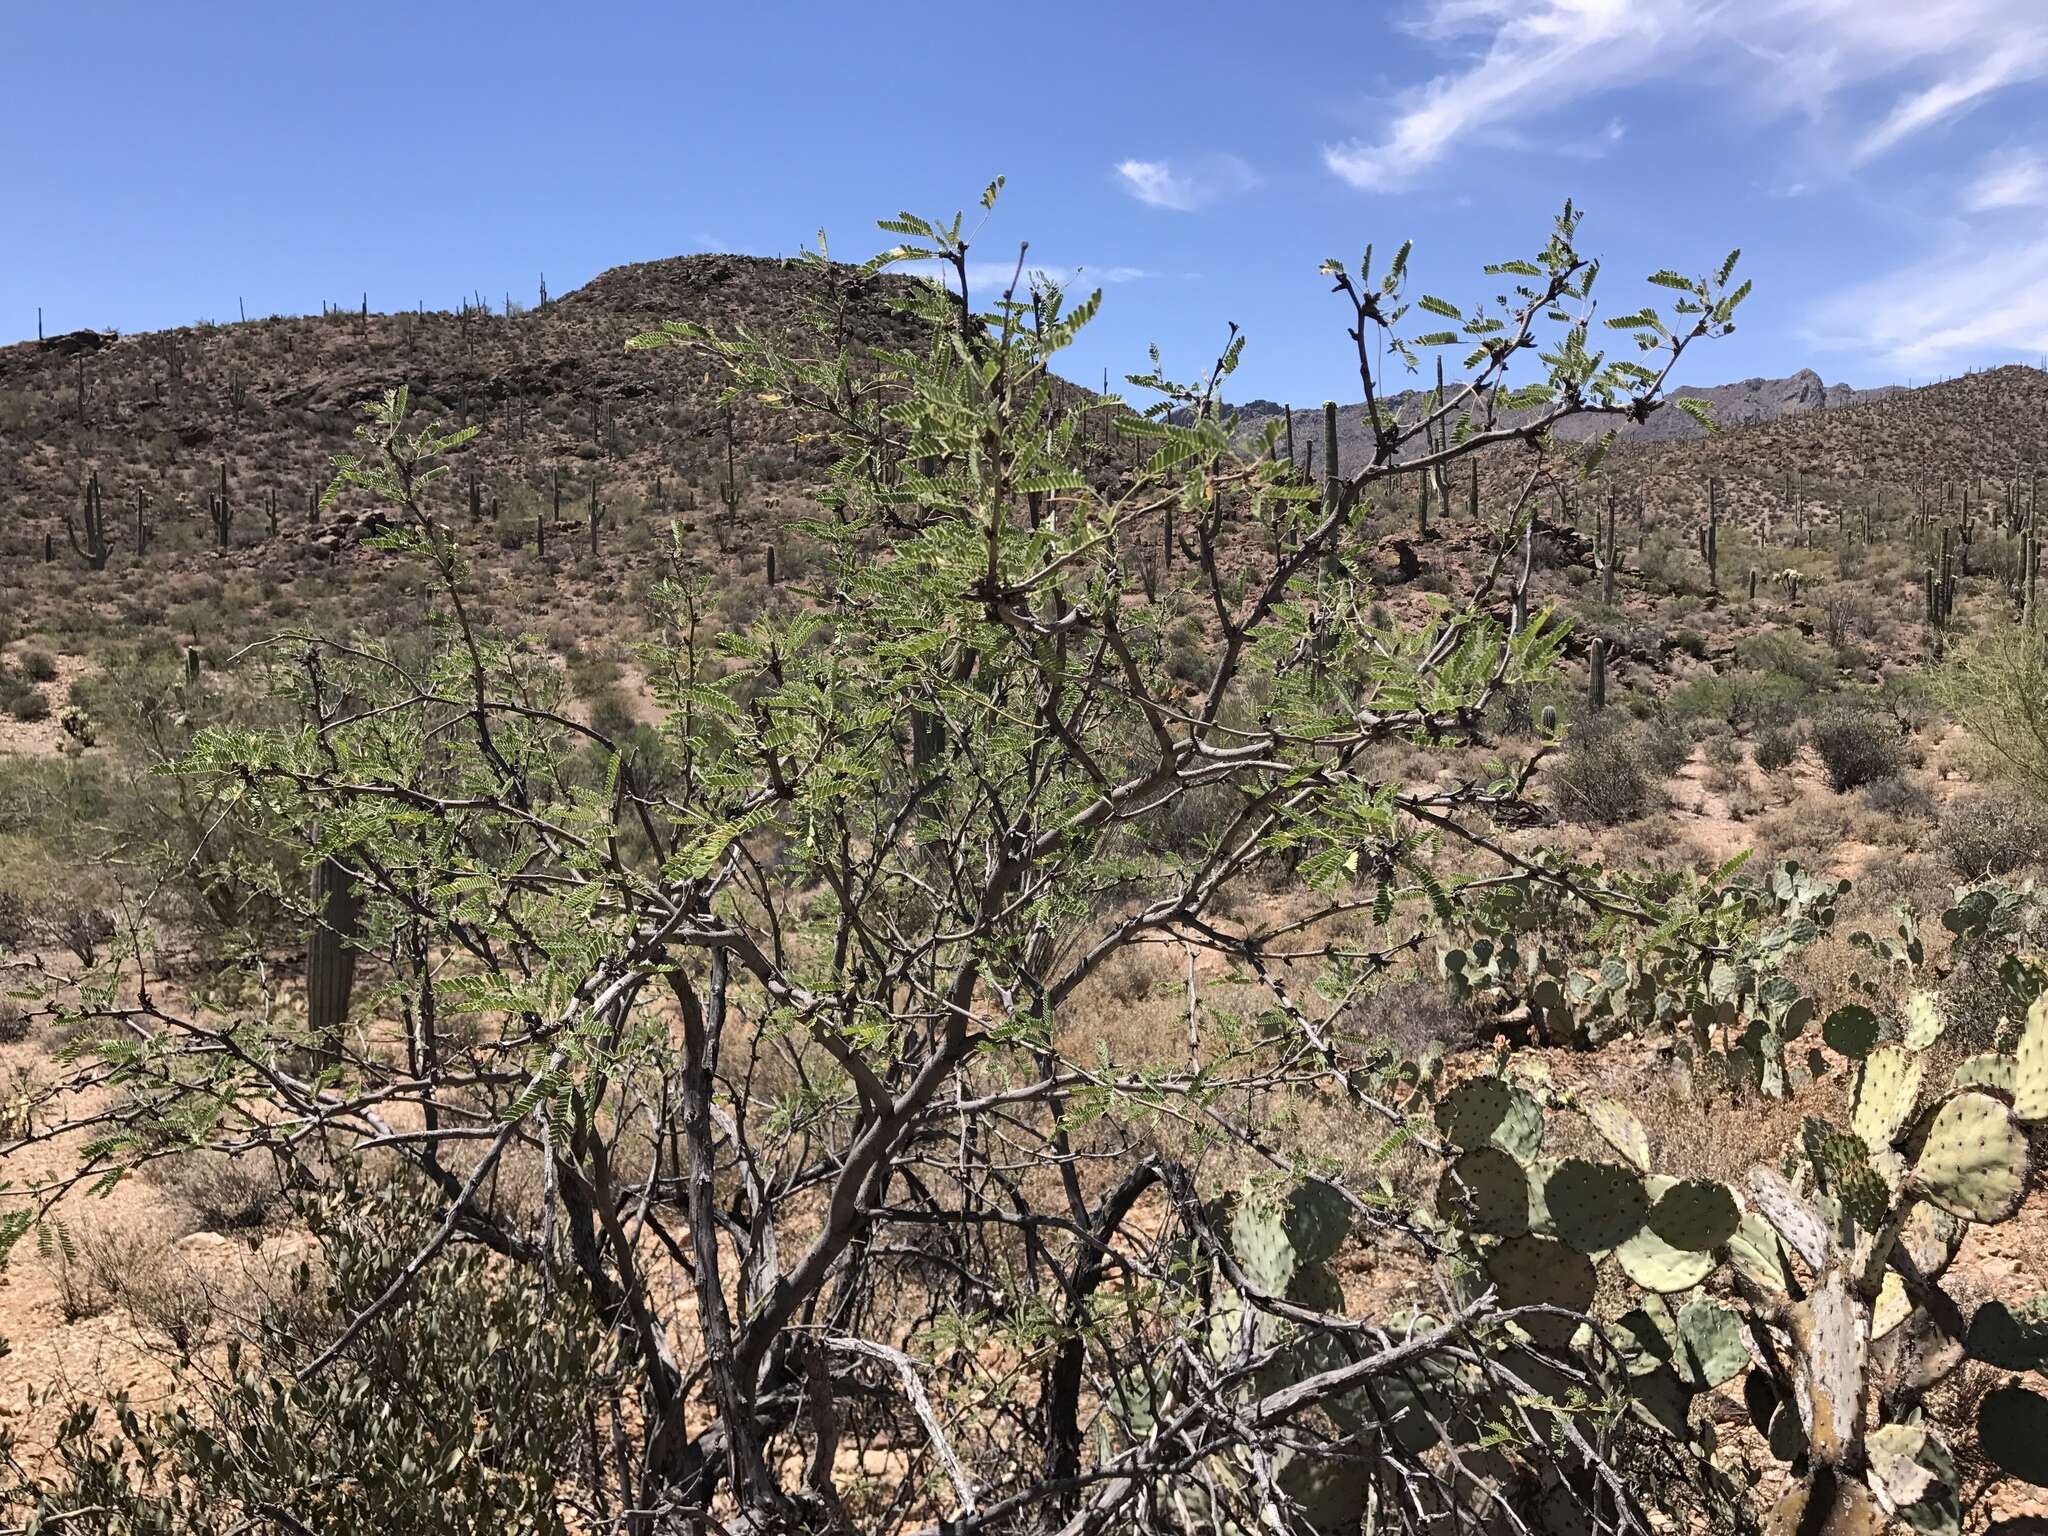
{"x":1898,"y":796}
{"x":1744,"y":700}
{"x":1691,"y":643}
{"x":1782,"y":650}
{"x":1998,"y":689}
{"x":611,"y":715}
{"x":1722,"y":751}
{"x":14,"y":918}
{"x":38,"y":666}
{"x":26,"y":704}
{"x":1665,"y":744}
{"x":227,"y":1193}
{"x":1841,"y":613}
{"x":13,"y":1022}
{"x":1990,"y":833}
{"x":1776,"y":747}
{"x":1855,"y":748}
{"x":466,"y":1408}
{"x":1704,"y":698}
{"x":1411,"y":1015}
{"x":1766,"y":700}
{"x":1600,"y":777}
{"x":142,"y":1275}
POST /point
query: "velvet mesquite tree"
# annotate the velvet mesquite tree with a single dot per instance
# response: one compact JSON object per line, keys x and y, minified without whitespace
{"x":762,"y":1040}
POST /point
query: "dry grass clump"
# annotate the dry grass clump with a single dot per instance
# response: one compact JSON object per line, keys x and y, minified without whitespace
{"x":1991,"y":832}
{"x":226,"y":1193}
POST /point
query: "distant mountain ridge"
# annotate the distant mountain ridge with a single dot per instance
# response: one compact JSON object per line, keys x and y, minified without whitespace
{"x":1743,"y":403}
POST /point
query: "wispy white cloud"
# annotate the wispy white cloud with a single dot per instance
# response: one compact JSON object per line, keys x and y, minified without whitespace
{"x":1516,"y":63}
{"x":2015,"y":179}
{"x":2013,"y":59}
{"x":1185,"y":186}
{"x":1540,"y":55}
{"x":987,"y":280}
{"x":1979,"y":300}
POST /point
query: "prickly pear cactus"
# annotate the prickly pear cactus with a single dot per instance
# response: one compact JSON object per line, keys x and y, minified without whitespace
{"x":1485,"y":1191}
{"x":1914,"y":1478}
{"x":1695,"y":1215}
{"x":2012,"y":1430}
{"x":1533,"y":1271}
{"x":1809,"y":1261}
{"x":1594,"y":1206}
{"x":1974,"y":1164}
{"x":1887,"y":1088}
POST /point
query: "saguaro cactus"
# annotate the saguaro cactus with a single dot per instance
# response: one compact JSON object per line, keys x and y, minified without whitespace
{"x":221,"y":510}
{"x":331,"y":956}
{"x":1333,"y":481}
{"x":1597,"y":681}
{"x":1710,"y":535}
{"x":729,"y":487}
{"x":95,"y":549}
{"x":1608,"y":559}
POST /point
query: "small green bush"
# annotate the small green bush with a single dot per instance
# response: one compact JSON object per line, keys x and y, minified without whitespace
{"x":27,"y":704}
{"x":1664,"y":743}
{"x":1776,"y":748}
{"x":38,"y":666}
{"x":1856,"y":748}
{"x":1600,"y":778}
{"x":1899,"y":797}
{"x":1779,"y":650}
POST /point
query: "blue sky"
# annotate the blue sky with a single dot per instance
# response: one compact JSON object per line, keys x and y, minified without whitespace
{"x":1883,"y":163}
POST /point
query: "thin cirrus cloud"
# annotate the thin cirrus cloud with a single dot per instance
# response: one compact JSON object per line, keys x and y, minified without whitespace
{"x":1934,"y":314}
{"x":2015,"y":179}
{"x":1518,"y":62}
{"x":1185,"y":186}
{"x":989,"y":280}
{"x":1983,"y":294}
